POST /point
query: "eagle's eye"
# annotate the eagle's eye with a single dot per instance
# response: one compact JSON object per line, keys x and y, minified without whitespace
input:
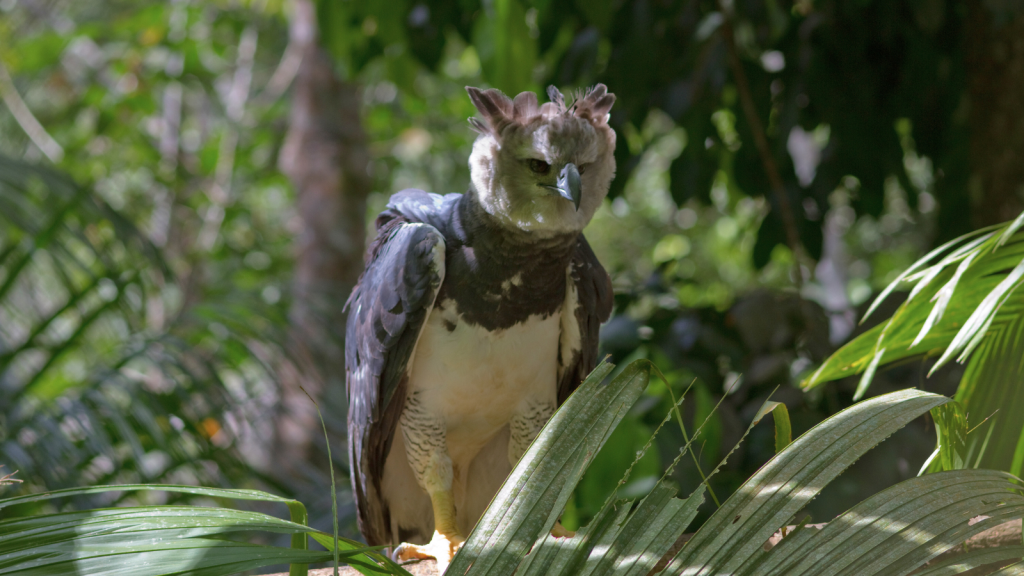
{"x":540,"y":166}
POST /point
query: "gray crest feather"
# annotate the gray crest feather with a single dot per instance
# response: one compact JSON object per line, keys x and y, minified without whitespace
{"x":556,"y":97}
{"x":495,"y":107}
{"x":595,"y":93}
{"x":595,"y":103}
{"x":592,"y":104}
{"x":524,"y":106}
{"x":478,"y":126}
{"x":499,"y":110}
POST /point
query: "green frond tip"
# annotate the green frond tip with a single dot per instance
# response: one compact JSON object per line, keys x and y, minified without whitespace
{"x":783,"y":427}
{"x":967,"y":306}
{"x":956,"y":302}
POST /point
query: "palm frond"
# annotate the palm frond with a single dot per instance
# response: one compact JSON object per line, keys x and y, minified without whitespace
{"x":93,"y":390}
{"x":969,"y":306}
{"x":962,"y":563}
{"x":149,"y":540}
{"x":892,"y":533}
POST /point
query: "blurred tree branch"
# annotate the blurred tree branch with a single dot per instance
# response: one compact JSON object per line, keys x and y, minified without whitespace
{"x":234,"y":103}
{"x":23,"y":116}
{"x":283,"y":75}
{"x":761,"y":141}
{"x":325,"y":155}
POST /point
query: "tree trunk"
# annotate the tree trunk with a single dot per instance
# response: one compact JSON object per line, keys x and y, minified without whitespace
{"x":325,"y":156}
{"x":995,"y":65}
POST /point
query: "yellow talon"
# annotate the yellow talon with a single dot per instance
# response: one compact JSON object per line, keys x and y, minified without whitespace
{"x":441,"y":547}
{"x":446,"y":540}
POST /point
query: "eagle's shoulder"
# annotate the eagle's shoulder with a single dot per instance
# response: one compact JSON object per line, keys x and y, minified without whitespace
{"x":414,"y":205}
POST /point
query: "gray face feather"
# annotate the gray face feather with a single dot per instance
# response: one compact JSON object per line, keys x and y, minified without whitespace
{"x":542,"y":168}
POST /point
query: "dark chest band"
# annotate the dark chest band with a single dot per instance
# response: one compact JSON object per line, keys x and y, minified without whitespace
{"x":499,"y":277}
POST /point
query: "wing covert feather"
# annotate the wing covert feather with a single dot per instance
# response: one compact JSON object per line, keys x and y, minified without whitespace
{"x":594,"y":303}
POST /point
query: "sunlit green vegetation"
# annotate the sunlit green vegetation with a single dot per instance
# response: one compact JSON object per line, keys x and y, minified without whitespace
{"x":149,"y":234}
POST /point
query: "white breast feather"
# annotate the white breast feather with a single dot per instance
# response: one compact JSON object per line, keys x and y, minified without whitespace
{"x":476,"y":379}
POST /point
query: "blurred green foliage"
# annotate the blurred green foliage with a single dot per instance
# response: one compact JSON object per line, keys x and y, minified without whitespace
{"x":173,"y":113}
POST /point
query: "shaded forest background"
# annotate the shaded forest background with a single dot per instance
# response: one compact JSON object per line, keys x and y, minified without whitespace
{"x":187,"y":188}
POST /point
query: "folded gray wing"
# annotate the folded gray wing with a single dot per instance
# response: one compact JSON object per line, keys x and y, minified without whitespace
{"x":387,"y":311}
{"x":591,"y":289}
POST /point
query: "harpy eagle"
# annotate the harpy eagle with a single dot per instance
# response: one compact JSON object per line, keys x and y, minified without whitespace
{"x":476,"y":316}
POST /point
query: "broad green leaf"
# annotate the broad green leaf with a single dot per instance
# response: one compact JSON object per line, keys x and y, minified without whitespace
{"x":614,"y":543}
{"x":961,"y":563}
{"x":942,"y":299}
{"x":551,"y":555}
{"x":993,"y":387}
{"x":296,"y":508}
{"x":167,"y":539}
{"x":909,"y":271}
{"x":629,"y":542}
{"x":659,"y":524}
{"x":146,"y":541}
{"x":588,"y":549}
{"x":941,"y":310}
{"x":973,"y":312}
{"x":770,"y":498}
{"x":594,"y":555}
{"x":900,"y":528}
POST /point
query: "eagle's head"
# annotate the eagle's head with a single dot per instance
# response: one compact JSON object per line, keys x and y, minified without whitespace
{"x":542,"y":168}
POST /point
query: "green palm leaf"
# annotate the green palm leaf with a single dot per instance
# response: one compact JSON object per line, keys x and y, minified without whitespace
{"x":541,"y":484}
{"x":969,"y":306}
{"x":731,"y":539}
{"x":900,"y":528}
{"x":894,"y":532}
{"x":964,"y":562}
{"x":157,"y":540}
{"x":91,"y":390}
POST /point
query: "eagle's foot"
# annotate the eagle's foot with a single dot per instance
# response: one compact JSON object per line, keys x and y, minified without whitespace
{"x":441,"y":547}
{"x":559,"y":531}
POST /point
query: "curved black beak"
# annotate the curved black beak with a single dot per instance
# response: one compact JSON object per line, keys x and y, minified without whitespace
{"x":569,"y":185}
